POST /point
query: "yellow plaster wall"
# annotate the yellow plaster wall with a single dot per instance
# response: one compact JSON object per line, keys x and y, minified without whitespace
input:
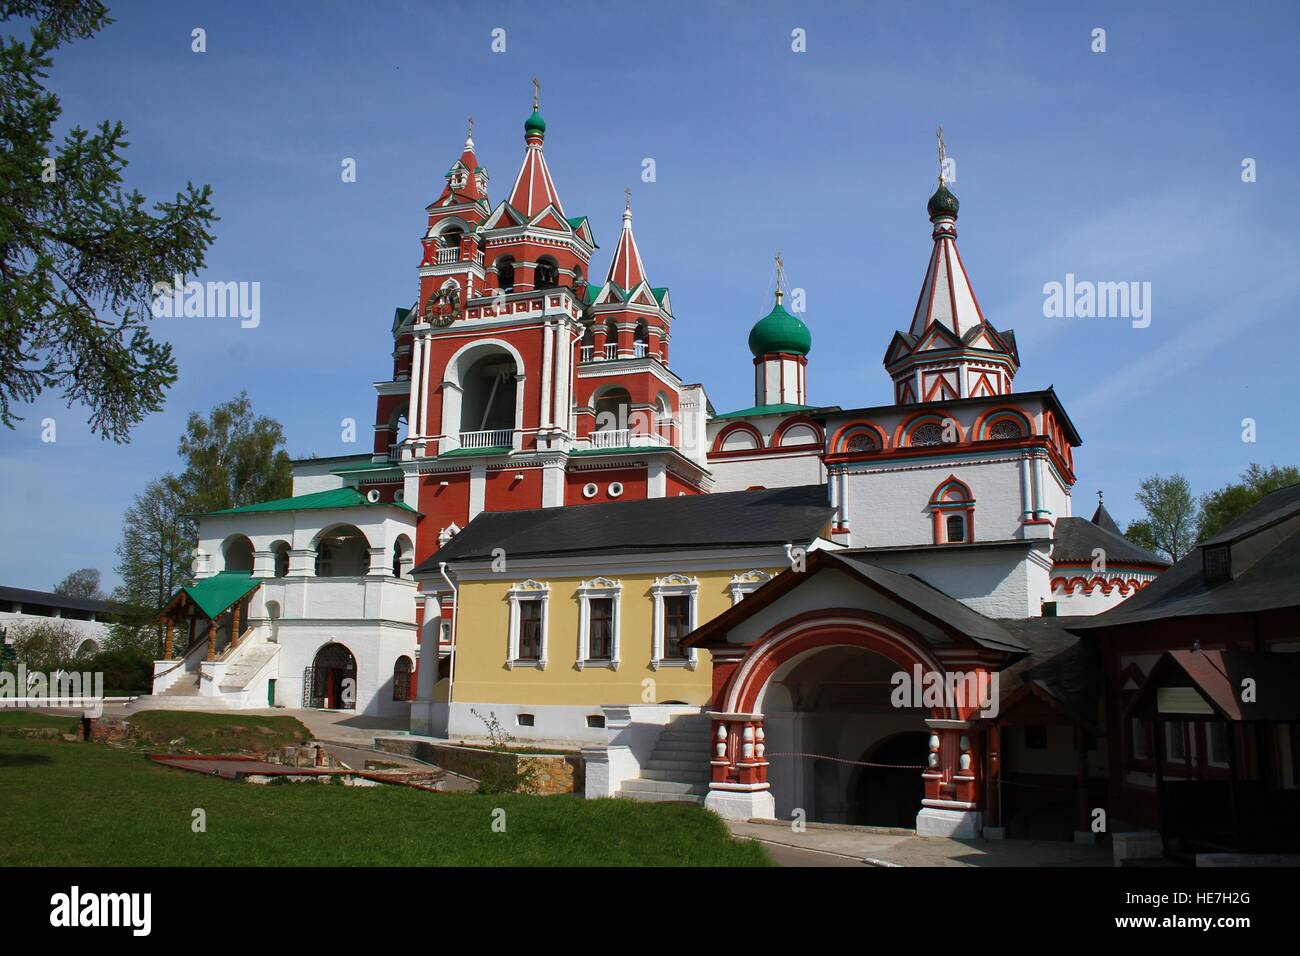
{"x":483,"y":631}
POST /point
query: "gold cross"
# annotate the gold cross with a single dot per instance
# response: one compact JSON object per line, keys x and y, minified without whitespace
{"x":470,"y":120}
{"x":780,"y":274}
{"x":627,"y":192}
{"x":537,"y":89}
{"x":943,"y":155}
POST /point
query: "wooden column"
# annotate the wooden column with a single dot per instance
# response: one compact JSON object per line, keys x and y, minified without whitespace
{"x":993,"y":778}
{"x":234,"y":624}
{"x":212,"y":639}
{"x":169,"y":640}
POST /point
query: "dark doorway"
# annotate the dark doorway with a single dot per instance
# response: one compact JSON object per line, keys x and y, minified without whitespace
{"x":890,"y":795}
{"x":334,"y":678}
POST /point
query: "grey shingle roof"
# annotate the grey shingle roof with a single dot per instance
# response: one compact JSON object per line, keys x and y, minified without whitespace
{"x":730,"y":519}
{"x":1066,"y":666}
{"x":1077,"y":538}
{"x":1270,"y":581}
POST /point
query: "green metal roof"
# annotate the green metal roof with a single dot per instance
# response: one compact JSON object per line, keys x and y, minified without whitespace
{"x":535,"y":123}
{"x":757,"y":410}
{"x":471,"y":452}
{"x":213,"y":595}
{"x":368,"y":466}
{"x":334,"y":498}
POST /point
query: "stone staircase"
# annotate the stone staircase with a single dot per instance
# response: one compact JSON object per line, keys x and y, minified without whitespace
{"x":678,"y":768}
{"x":247,"y":662}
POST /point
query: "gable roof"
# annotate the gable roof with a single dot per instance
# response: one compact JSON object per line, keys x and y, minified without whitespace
{"x":215,"y":594}
{"x":946,"y":612}
{"x":1061,"y":666}
{"x":733,"y":519}
{"x":1217,"y":676}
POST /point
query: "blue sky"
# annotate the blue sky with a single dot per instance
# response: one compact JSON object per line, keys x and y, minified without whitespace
{"x":1118,"y":166}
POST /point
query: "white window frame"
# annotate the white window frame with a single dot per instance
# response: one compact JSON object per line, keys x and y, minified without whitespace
{"x":747,"y":583}
{"x":598,"y":588}
{"x":673,"y":585}
{"x":529,"y":590}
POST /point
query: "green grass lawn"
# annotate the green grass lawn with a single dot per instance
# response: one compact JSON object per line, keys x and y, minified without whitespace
{"x":31,"y":720}
{"x":87,"y":804}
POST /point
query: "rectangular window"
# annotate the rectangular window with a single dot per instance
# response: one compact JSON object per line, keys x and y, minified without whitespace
{"x":601,"y":642}
{"x":1175,"y":744}
{"x":677,"y":624}
{"x":1216,"y":743}
{"x":530,"y":630}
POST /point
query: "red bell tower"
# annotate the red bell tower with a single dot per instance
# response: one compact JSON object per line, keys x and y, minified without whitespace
{"x":522,"y":384}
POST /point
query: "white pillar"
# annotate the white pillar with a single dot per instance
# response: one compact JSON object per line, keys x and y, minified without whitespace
{"x":413,"y":409}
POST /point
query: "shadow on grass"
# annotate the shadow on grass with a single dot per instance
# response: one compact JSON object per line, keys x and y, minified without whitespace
{"x":23,"y":760}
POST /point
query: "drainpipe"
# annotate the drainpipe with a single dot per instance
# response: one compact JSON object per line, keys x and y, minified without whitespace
{"x":451,"y":673}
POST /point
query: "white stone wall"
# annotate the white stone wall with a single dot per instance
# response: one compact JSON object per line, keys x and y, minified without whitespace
{"x":888,"y":503}
{"x":784,"y":471}
{"x":311,"y":476}
{"x":1008,"y":581}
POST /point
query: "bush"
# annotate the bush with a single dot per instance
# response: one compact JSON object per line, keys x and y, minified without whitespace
{"x":510,"y":775}
{"x":124,"y":669}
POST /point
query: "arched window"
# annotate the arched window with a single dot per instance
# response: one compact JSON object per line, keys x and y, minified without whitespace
{"x":547,"y":273}
{"x":1005,"y":428}
{"x":237,"y":554}
{"x":613,"y":410}
{"x":488,"y":394}
{"x":397,"y":560}
{"x":931,"y":433}
{"x":506,"y":273}
{"x":280,"y":552}
{"x":451,"y":239}
{"x":402,"y":678}
{"x":953,"y":508}
{"x":862,"y":441}
{"x":342,"y":551}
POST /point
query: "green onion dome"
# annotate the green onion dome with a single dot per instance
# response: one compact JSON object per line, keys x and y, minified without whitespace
{"x":779,"y":331}
{"x":942,"y":203}
{"x":535,"y":124}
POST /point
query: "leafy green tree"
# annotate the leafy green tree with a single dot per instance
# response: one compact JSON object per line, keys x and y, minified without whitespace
{"x":1169,"y":527}
{"x":45,"y":646}
{"x":79,"y":253}
{"x":1220,"y":508}
{"x":81,"y":583}
{"x":233,"y":458}
{"x":155,"y":556}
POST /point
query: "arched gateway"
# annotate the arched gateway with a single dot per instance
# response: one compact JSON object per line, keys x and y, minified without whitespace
{"x":814,"y":672}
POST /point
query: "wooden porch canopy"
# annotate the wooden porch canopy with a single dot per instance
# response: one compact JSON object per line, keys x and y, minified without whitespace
{"x":1251,"y":804}
{"x":1213,"y":682}
{"x":212,"y":597}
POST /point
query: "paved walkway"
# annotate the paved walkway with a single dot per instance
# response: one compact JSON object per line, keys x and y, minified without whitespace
{"x":875,"y":847}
